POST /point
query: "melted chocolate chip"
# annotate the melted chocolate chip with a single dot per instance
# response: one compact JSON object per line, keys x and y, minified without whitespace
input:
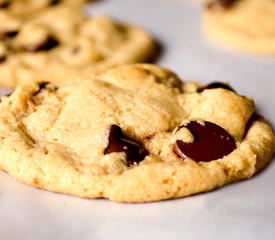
{"x":8,"y":34}
{"x":211,"y":142}
{"x":220,"y":4}
{"x":216,"y":85}
{"x":3,"y":59}
{"x":48,"y":44}
{"x":43,"y":85}
{"x":119,"y":143}
{"x":54,"y":2}
{"x":5,"y":4}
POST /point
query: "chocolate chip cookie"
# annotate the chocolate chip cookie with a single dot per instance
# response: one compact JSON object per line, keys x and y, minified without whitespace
{"x":136,"y":134}
{"x":244,"y":24}
{"x":60,"y":43}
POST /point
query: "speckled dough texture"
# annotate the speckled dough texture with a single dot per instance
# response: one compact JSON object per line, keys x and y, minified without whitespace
{"x":31,"y":6}
{"x":55,"y":138}
{"x":60,"y":44}
{"x":247,"y":25}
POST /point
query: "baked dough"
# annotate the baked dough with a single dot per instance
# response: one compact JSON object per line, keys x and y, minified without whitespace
{"x":247,"y":25}
{"x":60,"y":44}
{"x":31,"y":6}
{"x":68,"y":139}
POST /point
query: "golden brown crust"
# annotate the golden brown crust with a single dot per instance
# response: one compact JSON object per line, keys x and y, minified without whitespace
{"x":54,"y":139}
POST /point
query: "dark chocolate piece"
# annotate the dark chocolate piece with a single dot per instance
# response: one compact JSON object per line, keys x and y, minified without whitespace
{"x":43,"y":85}
{"x":216,"y":85}
{"x":220,"y":4}
{"x":5,"y":4}
{"x":8,"y":34}
{"x":3,"y":59}
{"x":54,"y":2}
{"x":47,"y":44}
{"x":119,"y":143}
{"x":211,"y":142}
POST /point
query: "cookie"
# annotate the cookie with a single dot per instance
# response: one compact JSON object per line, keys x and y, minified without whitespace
{"x":247,"y":25}
{"x":137,"y":134}
{"x":59,"y":44}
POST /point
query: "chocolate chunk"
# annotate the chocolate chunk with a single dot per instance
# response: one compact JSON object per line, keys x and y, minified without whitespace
{"x":54,"y":2}
{"x":47,"y":44}
{"x":3,"y":59}
{"x":216,"y":85}
{"x":5,"y":4}
{"x":220,"y":4}
{"x":119,"y":143}
{"x":211,"y":142}
{"x":8,"y":34}
{"x":43,"y":85}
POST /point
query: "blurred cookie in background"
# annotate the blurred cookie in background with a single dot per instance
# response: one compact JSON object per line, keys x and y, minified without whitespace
{"x":59,"y":43}
{"x":247,"y":25}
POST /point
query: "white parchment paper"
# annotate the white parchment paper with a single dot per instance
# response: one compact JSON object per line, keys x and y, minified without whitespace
{"x":244,"y":210}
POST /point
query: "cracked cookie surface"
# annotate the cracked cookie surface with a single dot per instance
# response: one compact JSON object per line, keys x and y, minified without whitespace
{"x":127,"y":134}
{"x":244,"y":24}
{"x":60,"y":44}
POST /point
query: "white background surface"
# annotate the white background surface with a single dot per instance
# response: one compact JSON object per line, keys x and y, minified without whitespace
{"x":244,"y":210}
